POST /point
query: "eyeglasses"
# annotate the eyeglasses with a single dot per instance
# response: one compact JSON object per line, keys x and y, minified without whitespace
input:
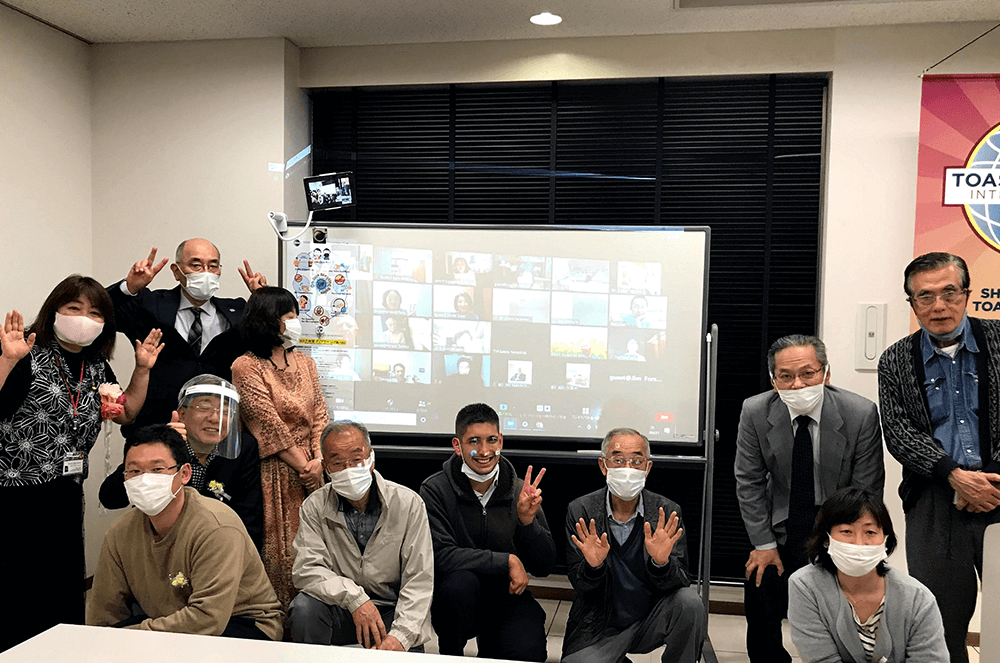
{"x":131,"y":474}
{"x":618,"y":461}
{"x":805,"y":376}
{"x":948,"y":296}
{"x":339,"y":465}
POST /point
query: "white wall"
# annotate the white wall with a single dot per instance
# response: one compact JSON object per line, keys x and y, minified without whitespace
{"x":45,"y":171}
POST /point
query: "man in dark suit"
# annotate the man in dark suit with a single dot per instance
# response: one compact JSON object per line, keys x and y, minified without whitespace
{"x":199,"y":329}
{"x":797,"y":445}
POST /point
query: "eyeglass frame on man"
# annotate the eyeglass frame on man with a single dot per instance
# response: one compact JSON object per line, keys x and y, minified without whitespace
{"x":635,"y":462}
{"x":806,"y":376}
{"x":924,"y":300}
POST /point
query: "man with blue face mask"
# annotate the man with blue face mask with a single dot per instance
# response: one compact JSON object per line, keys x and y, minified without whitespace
{"x":626,"y":557}
{"x":797,"y":445}
{"x":199,"y":329}
{"x":942,"y":423}
{"x":179,"y":561}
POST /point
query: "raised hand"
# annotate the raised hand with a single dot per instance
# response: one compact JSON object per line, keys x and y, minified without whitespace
{"x":368,"y":625}
{"x":13,"y":344}
{"x":143,"y":271}
{"x":147,"y":351}
{"x":518,"y":576}
{"x":178,"y":425}
{"x":254,"y":280}
{"x":660,"y":543}
{"x":530,"y":499}
{"x":594,"y":548}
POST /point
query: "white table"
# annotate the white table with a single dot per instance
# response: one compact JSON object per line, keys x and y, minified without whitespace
{"x":989,"y":617}
{"x":94,"y":644}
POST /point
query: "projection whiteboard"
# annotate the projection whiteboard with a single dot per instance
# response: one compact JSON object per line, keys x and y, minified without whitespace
{"x":566,"y":332}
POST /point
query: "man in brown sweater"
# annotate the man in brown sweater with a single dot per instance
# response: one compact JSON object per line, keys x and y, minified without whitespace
{"x":179,"y":562}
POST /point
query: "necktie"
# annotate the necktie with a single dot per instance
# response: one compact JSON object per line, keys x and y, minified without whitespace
{"x":194,"y":336}
{"x":802,"y":495}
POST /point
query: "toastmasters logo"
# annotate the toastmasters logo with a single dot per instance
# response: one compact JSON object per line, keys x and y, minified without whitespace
{"x":977,"y":188}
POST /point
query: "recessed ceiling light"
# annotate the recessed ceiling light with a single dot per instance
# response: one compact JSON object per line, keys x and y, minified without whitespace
{"x":545,"y":18}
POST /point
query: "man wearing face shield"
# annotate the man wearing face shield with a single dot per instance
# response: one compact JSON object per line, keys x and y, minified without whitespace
{"x":179,"y":562}
{"x":225,"y":463}
{"x":199,"y":329}
{"x":797,"y":445}
{"x":364,"y":563}
{"x":626,"y":554}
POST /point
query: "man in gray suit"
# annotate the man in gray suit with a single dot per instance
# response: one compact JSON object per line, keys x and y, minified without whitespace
{"x":797,"y":445}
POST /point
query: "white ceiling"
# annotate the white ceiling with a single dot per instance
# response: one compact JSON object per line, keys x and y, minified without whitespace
{"x":313,"y":23}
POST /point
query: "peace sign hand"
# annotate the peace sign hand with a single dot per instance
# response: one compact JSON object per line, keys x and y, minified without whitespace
{"x":530,"y":499}
{"x":12,"y":342}
{"x":254,"y":280}
{"x":594,"y":548}
{"x":660,"y":544}
{"x":143,"y":271}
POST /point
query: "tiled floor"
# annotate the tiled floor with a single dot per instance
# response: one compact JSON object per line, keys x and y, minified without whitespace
{"x":727,"y":633}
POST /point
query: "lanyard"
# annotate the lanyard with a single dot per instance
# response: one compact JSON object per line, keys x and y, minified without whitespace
{"x":75,"y":402}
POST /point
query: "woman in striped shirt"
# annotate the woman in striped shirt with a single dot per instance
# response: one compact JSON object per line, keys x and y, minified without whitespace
{"x":848,"y":605}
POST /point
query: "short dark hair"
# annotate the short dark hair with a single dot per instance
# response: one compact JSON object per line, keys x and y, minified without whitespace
{"x":70,"y":289}
{"x":403,"y":366}
{"x":464,"y":359}
{"x":795,"y":341}
{"x":846,"y":506}
{"x":259,"y":326}
{"x":159,"y":434}
{"x":460,"y":296}
{"x":934,"y":260}
{"x":476,"y":413}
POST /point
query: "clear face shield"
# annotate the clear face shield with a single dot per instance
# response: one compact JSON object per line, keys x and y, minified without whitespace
{"x":211,"y":415}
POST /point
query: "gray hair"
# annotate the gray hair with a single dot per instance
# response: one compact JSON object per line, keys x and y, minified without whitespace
{"x":337,"y":427}
{"x":179,"y":253}
{"x":796,"y":341}
{"x":615,"y":432}
{"x":930,"y":261}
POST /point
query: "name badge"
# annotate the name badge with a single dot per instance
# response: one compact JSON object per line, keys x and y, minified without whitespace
{"x":73,"y":463}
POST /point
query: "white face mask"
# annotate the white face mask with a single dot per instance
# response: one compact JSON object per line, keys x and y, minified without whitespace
{"x":626,"y":482}
{"x":293,"y":332}
{"x":352,"y":483}
{"x":150,"y":493}
{"x":476,"y":476}
{"x":804,"y":400}
{"x":853,"y":559}
{"x":202,"y":285}
{"x":77,"y":329}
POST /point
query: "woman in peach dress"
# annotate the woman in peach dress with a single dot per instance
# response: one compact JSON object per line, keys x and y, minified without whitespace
{"x":282,"y":405}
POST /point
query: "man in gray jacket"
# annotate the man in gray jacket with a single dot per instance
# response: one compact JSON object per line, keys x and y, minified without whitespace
{"x":797,"y":445}
{"x":364,"y":563}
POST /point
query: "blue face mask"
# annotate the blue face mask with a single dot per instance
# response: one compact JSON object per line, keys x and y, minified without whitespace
{"x":950,"y":336}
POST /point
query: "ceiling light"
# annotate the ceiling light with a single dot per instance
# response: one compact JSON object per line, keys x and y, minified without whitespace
{"x":545,"y":18}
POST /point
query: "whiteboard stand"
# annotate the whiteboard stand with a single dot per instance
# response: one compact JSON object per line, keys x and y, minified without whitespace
{"x":710,"y":436}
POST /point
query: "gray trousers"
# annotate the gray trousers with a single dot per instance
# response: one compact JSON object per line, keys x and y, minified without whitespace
{"x":677,"y":622}
{"x":944,"y":551}
{"x":314,"y":622}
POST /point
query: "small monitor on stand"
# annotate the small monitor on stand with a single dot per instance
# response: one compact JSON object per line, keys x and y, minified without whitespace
{"x":329,"y":191}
